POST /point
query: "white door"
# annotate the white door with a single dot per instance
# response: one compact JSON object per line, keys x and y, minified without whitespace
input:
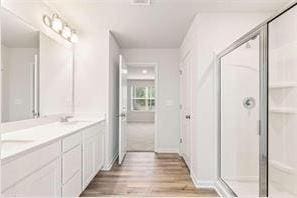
{"x":186,"y":109}
{"x":122,"y":109}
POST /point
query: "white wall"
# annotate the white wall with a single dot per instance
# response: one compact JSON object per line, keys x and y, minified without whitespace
{"x":91,"y":72}
{"x":17,"y":83}
{"x":4,"y":78}
{"x":96,"y":83}
{"x":167,"y":111}
{"x":209,"y":34}
{"x":32,"y":12}
{"x":55,"y":77}
{"x":112,"y":138}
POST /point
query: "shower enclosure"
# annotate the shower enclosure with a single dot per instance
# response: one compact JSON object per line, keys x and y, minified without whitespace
{"x":257,"y":108}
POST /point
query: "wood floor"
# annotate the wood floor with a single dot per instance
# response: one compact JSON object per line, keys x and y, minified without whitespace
{"x":145,"y":174}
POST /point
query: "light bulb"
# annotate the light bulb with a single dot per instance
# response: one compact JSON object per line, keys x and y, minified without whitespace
{"x":47,"y":20}
{"x":125,"y":71}
{"x":74,"y":37}
{"x":66,"y":32}
{"x":144,"y":71}
{"x":57,"y":23}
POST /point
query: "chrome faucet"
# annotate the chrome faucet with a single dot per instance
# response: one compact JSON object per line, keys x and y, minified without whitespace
{"x":65,"y":118}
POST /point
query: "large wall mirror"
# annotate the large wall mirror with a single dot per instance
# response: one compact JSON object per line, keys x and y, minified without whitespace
{"x":37,"y":72}
{"x":19,"y":66}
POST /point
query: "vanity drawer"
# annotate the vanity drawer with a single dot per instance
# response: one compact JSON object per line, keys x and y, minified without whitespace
{"x":71,"y":142}
{"x":73,"y":187}
{"x":71,"y":163}
{"x":27,"y":164}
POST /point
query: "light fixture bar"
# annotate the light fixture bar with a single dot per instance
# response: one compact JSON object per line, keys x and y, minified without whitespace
{"x":61,"y":27}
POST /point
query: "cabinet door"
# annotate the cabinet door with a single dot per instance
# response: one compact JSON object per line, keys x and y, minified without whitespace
{"x":89,"y":148}
{"x":71,"y":163}
{"x":73,"y":186}
{"x":99,"y":157}
{"x":44,"y":183}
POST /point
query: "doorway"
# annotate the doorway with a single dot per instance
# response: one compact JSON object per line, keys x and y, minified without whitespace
{"x":141,"y":107}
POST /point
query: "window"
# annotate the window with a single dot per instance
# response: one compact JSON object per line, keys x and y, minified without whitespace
{"x":142,"y":98}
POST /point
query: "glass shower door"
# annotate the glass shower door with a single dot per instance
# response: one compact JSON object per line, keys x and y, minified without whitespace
{"x":239,"y":118}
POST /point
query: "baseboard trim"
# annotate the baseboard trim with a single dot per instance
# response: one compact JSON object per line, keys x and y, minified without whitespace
{"x":221,"y":190}
{"x":162,"y":150}
{"x":109,"y":165}
{"x":209,"y":185}
{"x":202,"y":184}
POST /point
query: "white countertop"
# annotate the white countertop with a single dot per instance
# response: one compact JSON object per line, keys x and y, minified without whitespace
{"x":19,"y":142}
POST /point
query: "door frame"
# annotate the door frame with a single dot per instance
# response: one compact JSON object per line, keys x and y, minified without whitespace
{"x":156,"y":80}
{"x":262,"y":32}
{"x":182,"y":64}
{"x":122,"y":115}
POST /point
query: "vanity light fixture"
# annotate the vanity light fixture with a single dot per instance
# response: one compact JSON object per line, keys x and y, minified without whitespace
{"x":66,"y":32}
{"x":57,"y":23}
{"x":61,"y":27}
{"x":74,"y":37}
{"x":47,"y":21}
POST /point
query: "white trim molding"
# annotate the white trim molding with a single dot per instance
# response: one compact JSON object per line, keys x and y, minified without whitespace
{"x":167,"y":150}
{"x":221,"y":190}
{"x":110,"y":164}
{"x":208,"y":184}
{"x":202,"y":183}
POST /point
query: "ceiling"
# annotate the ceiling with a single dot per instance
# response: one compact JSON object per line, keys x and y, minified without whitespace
{"x":161,"y":25}
{"x":141,"y":72}
{"x":15,"y":33}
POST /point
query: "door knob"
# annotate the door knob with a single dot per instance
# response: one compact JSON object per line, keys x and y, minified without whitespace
{"x":121,"y":115}
{"x":188,"y":117}
{"x":249,"y":102}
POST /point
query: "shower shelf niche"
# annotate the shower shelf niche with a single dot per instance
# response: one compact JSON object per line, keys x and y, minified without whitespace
{"x":283,"y":85}
{"x":283,"y":110}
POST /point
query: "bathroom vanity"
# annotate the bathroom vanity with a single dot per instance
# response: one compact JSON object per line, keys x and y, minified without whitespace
{"x":42,"y":156}
{"x":52,"y":160}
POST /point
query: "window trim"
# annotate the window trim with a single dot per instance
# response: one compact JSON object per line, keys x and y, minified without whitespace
{"x":146,"y":98}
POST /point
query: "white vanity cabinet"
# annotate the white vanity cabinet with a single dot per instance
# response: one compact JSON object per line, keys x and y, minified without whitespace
{"x":62,"y":168}
{"x":43,"y":183}
{"x":93,"y":152}
{"x":72,"y":165}
{"x":35,"y":174}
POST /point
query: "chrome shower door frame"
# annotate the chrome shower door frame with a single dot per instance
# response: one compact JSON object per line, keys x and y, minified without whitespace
{"x":262,"y":32}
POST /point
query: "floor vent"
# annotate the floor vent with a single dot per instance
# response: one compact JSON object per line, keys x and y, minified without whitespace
{"x":141,"y":2}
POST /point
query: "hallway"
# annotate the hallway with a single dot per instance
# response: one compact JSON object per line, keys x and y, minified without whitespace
{"x":147,"y":174}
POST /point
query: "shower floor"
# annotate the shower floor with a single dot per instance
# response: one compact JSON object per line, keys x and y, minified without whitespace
{"x":251,"y":188}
